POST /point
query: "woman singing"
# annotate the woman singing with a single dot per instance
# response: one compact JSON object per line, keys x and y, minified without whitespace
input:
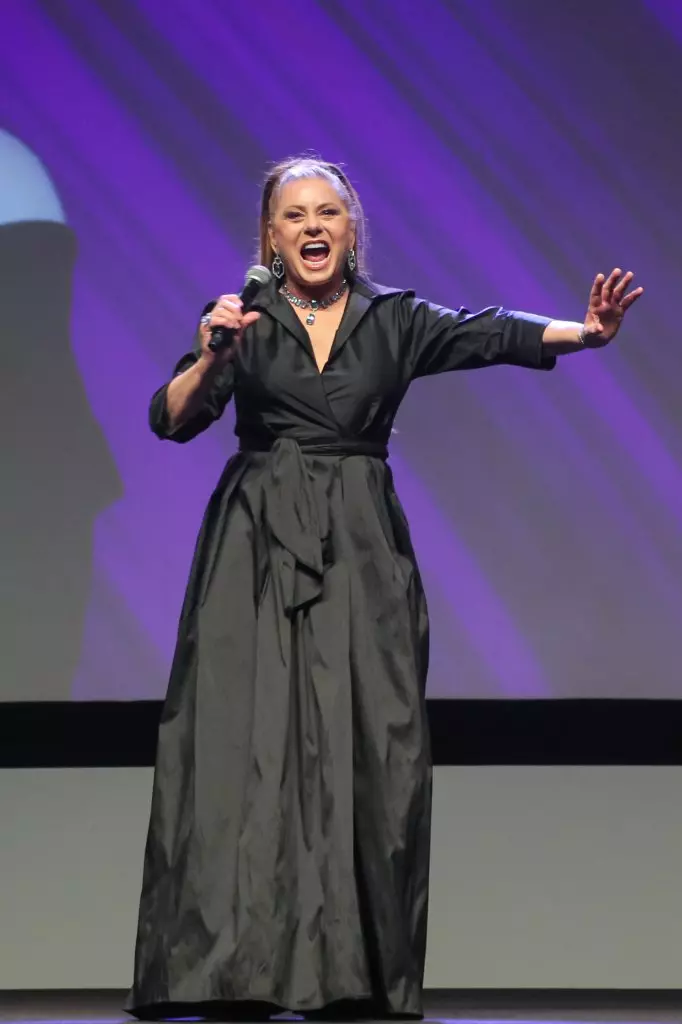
{"x":287,"y":859}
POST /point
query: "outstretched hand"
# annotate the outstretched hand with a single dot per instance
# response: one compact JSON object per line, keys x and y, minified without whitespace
{"x":609,"y":301}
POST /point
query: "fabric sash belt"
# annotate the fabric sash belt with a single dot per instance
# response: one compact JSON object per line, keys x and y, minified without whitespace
{"x":291,"y":511}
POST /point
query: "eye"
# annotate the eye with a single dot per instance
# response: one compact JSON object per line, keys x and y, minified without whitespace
{"x":330,"y":212}
{"x":292,"y":215}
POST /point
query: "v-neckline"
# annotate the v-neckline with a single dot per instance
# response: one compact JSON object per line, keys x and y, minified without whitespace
{"x":310,"y":345}
{"x":359,"y":301}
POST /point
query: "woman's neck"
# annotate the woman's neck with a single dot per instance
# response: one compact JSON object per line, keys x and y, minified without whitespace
{"x":308,"y":292}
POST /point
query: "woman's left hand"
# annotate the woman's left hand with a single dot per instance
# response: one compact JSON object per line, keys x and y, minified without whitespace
{"x":609,"y":300}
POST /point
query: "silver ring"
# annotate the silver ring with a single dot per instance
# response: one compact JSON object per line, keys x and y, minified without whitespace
{"x":206,"y":319}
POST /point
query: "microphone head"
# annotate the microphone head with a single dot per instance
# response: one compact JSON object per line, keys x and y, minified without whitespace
{"x":259,"y":275}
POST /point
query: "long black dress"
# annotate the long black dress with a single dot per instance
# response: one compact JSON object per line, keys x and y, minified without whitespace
{"x":287,"y":859}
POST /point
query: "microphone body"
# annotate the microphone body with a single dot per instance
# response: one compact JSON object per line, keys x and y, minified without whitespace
{"x":256,"y":278}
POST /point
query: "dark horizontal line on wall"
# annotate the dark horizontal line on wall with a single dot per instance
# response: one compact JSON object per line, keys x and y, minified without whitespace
{"x":591,"y":1003}
{"x":463,"y":732}
{"x":550,"y":1001}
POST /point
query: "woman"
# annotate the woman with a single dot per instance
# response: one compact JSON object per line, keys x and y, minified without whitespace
{"x":288,"y":852}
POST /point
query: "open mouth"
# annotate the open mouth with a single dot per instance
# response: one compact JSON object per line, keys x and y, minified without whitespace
{"x":315,"y":254}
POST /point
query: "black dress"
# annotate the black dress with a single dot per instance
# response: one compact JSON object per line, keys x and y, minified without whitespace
{"x":287,"y":859}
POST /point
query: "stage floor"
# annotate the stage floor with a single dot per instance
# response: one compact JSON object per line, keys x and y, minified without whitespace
{"x":484,"y":1007}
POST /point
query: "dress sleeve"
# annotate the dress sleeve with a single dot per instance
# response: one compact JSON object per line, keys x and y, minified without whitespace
{"x":440,"y":339}
{"x":212,"y":408}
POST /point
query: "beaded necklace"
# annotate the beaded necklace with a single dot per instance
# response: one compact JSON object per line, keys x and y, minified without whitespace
{"x":313,"y":304}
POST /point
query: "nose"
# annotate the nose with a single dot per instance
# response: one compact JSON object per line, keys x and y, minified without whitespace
{"x":312,"y":226}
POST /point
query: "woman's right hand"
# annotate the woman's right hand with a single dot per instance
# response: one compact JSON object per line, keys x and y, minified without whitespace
{"x":227,"y":312}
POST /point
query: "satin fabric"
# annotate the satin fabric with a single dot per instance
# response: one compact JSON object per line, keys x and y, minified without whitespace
{"x":287,"y":858}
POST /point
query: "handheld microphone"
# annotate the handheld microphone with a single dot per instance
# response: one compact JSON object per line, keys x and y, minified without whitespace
{"x":256,"y":278}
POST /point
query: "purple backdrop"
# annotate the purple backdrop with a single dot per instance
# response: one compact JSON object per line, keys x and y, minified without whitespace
{"x":506,"y":151}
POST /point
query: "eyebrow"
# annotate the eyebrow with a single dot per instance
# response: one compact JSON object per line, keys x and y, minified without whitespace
{"x":320,"y":206}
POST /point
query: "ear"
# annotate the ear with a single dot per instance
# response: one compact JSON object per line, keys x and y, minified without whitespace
{"x":271,"y":237}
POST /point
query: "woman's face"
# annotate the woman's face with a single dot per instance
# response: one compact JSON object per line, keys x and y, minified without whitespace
{"x":312,"y":231}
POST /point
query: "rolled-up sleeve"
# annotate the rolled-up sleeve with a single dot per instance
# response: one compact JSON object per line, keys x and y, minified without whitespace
{"x":211,"y":409}
{"x":439,"y":339}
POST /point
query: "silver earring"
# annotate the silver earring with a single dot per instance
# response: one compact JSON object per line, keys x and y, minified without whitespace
{"x":352,"y":261}
{"x":278,"y":266}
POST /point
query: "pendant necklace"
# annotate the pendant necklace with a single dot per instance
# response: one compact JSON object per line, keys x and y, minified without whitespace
{"x":313,"y":304}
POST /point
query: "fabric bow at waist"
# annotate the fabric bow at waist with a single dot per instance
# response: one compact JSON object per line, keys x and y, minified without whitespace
{"x":291,"y":511}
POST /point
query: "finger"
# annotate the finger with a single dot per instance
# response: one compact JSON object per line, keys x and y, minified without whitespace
{"x":595,"y":293}
{"x":227,"y":306}
{"x":632,"y":297}
{"x":231,"y":300}
{"x":226,"y":318}
{"x":607,"y":287}
{"x":246,"y":320}
{"x":249,"y":318}
{"x":622,"y":285}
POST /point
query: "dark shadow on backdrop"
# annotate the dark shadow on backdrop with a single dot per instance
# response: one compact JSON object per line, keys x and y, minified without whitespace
{"x":57,"y":474}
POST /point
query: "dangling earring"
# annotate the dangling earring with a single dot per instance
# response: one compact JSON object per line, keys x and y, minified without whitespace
{"x":352,"y":261}
{"x":278,"y":266}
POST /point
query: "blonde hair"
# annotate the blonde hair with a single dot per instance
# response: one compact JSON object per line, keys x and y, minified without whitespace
{"x":310,"y":167}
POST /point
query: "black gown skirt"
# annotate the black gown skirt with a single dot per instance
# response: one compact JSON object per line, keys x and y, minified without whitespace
{"x":287,"y":858}
{"x":288,"y":851}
